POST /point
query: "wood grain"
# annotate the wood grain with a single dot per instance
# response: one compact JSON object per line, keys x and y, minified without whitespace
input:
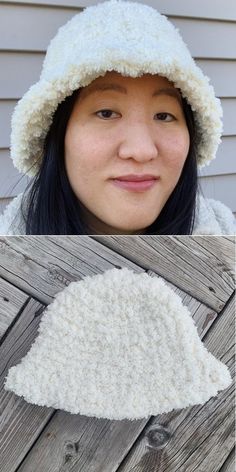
{"x":20,"y":423}
{"x":40,"y":439}
{"x":62,"y":427}
{"x":11,"y":301}
{"x":201,"y":437}
{"x":42,"y":266}
{"x":229,"y":465}
{"x":202,"y":266}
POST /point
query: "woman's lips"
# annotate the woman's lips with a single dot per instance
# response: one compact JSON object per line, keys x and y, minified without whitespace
{"x":135,"y":186}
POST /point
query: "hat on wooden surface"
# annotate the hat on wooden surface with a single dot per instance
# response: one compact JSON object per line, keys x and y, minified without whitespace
{"x":117,"y":345}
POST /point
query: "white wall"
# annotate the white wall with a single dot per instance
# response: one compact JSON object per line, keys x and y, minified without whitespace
{"x":208,"y":28}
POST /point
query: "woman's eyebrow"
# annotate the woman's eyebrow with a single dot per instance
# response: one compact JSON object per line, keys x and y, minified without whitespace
{"x":172,"y":92}
{"x":102,"y":88}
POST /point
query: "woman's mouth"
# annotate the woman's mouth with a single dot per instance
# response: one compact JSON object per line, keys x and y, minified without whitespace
{"x":135,"y":183}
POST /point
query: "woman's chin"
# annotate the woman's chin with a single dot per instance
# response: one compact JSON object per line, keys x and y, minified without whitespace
{"x":121,"y":221}
{"x":131,"y":226}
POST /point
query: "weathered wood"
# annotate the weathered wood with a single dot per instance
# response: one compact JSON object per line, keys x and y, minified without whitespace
{"x":32,"y":264}
{"x":229,"y":465}
{"x":20,"y":422}
{"x":41,"y":266}
{"x":11,"y":301}
{"x":202,"y":315}
{"x":42,"y":439}
{"x":232,"y":239}
{"x":191,"y":424}
{"x":201,"y":437}
{"x":57,"y":438}
{"x":80,"y":443}
{"x":202,"y":266}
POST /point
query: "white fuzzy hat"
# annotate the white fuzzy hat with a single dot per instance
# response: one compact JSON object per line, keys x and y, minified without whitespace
{"x":118,"y":345}
{"x":129,"y":38}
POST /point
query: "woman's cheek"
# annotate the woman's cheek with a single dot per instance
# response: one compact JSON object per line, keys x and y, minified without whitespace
{"x":178,"y":148}
{"x":95,"y":149}
{"x":81,"y":157}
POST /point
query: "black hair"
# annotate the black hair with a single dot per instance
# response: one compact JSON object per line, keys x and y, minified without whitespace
{"x":49,"y":205}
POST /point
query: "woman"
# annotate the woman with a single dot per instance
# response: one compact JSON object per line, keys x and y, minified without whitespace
{"x":114,"y":131}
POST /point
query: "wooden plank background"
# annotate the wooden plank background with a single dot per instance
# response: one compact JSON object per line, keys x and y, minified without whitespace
{"x":32,"y":438}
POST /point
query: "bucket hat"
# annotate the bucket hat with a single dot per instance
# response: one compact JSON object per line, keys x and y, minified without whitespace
{"x":123,"y":36}
{"x":117,"y":345}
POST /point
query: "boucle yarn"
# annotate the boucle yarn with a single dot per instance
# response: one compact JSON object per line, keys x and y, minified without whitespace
{"x":129,"y":38}
{"x":117,"y":345}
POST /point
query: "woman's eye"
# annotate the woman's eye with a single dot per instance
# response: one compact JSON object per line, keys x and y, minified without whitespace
{"x":105,"y":114}
{"x":165,"y":117}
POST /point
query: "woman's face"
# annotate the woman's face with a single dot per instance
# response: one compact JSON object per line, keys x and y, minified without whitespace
{"x":121,"y":126}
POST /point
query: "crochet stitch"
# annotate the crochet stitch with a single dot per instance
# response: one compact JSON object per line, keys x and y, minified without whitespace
{"x":118,"y":345}
{"x":129,"y":38}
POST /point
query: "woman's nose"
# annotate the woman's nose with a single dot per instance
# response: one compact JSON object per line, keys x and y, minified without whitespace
{"x":138,"y":143}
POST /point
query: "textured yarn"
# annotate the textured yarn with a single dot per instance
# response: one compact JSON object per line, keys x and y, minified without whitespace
{"x":129,"y":38}
{"x":118,"y":345}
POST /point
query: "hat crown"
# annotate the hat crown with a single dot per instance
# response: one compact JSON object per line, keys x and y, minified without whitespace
{"x":118,"y":345}
{"x":110,"y":26}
